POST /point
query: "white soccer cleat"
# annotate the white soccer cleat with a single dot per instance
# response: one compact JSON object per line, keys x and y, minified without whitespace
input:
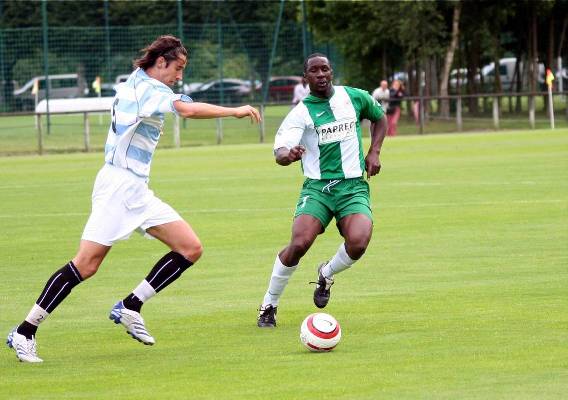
{"x":133,"y":322}
{"x":25,"y":348}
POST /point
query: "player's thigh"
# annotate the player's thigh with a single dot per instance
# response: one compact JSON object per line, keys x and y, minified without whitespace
{"x":353,"y":212}
{"x":305,"y":229}
{"x":356,"y":229}
{"x":179,"y":237}
{"x":315,"y":203}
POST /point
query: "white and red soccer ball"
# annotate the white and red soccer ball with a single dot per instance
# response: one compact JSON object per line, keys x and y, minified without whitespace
{"x":320,"y":332}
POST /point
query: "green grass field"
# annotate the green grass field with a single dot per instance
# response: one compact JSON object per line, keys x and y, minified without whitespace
{"x":462,"y":293}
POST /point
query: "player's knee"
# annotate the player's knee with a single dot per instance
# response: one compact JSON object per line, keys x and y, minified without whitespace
{"x":192,"y":251}
{"x":356,"y":252}
{"x":86,"y":268}
{"x":298,"y":248}
{"x":356,"y":248}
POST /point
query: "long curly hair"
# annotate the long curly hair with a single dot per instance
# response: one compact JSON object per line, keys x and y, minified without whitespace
{"x":167,"y":46}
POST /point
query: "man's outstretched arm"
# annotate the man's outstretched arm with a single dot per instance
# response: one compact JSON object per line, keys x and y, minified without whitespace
{"x":205,"y":110}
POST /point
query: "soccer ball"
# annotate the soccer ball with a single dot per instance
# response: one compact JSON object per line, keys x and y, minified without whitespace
{"x":320,"y":332}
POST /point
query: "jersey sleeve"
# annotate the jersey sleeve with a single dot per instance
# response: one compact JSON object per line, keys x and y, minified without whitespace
{"x":371,"y":109}
{"x":160,"y":100}
{"x":291,"y":130}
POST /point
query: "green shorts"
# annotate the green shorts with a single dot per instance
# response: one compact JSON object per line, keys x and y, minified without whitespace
{"x":325,"y":199}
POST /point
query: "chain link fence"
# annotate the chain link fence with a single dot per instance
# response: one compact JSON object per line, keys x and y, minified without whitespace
{"x":228,"y":64}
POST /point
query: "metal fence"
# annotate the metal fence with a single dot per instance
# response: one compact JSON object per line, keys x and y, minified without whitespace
{"x":253,"y":60}
{"x":523,"y":108}
{"x":86,"y":131}
{"x":240,"y":62}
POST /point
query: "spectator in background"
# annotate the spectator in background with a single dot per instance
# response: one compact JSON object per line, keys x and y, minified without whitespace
{"x":381,"y":94}
{"x":301,"y":90}
{"x":396,"y":94}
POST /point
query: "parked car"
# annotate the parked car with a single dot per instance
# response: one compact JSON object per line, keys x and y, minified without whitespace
{"x":61,"y":86}
{"x":281,"y":88}
{"x":189,"y":88}
{"x":234,"y":91}
{"x":462,"y":77}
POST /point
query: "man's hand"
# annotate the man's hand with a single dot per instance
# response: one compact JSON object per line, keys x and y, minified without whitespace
{"x":287,"y":157}
{"x":372,"y":164}
{"x":248,"y":111}
{"x":378,"y":132}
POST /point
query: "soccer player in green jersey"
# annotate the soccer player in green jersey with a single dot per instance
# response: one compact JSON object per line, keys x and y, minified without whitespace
{"x":324,"y":132}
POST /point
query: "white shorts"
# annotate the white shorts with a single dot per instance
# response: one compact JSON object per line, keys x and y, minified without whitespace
{"x":123,"y":203}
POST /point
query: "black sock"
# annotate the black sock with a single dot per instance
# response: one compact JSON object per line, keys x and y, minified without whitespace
{"x":167,"y":269}
{"x":58,"y":287}
{"x":27,"y":329}
{"x":132,"y":302}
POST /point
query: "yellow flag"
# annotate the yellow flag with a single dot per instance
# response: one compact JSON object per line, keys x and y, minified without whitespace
{"x":549,"y":77}
{"x":35,"y":87}
{"x":97,"y":85}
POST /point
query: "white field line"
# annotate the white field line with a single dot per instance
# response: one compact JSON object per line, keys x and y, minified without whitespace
{"x":408,"y":184}
{"x":290,"y":209}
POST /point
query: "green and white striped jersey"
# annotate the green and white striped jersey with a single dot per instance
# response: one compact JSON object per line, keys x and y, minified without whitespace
{"x":330,"y":130}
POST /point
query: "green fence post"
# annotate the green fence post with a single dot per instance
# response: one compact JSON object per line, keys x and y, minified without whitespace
{"x":304,"y":30}
{"x":273,"y":52}
{"x":45,"y":61}
{"x":177,"y":141}
{"x":220,"y":63}
{"x":3,"y":82}
{"x":180,"y":35}
{"x":220,"y":58}
{"x":107,"y":42}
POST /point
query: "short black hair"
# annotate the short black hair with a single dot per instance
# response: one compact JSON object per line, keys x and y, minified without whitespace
{"x":308,"y":58}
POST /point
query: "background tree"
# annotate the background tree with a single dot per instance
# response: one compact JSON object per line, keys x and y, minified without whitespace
{"x":449,"y":59}
{"x":370,"y":40}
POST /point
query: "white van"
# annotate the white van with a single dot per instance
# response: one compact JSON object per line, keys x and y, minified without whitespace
{"x":507,"y":72}
{"x":61,"y":86}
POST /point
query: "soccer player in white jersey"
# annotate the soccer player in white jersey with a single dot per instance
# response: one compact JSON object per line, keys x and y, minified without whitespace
{"x":324,"y":132}
{"x":122,"y":201}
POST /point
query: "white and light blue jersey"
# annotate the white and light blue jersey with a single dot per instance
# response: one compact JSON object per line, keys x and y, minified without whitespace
{"x":137,"y":120}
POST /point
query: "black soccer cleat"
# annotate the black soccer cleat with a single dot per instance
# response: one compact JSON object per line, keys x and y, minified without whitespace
{"x":322,"y":291}
{"x":267,"y":316}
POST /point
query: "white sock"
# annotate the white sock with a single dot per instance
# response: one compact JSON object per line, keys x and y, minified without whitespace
{"x":340,"y":262}
{"x":278,"y":281}
{"x":144,"y":291}
{"x":37,"y":315}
